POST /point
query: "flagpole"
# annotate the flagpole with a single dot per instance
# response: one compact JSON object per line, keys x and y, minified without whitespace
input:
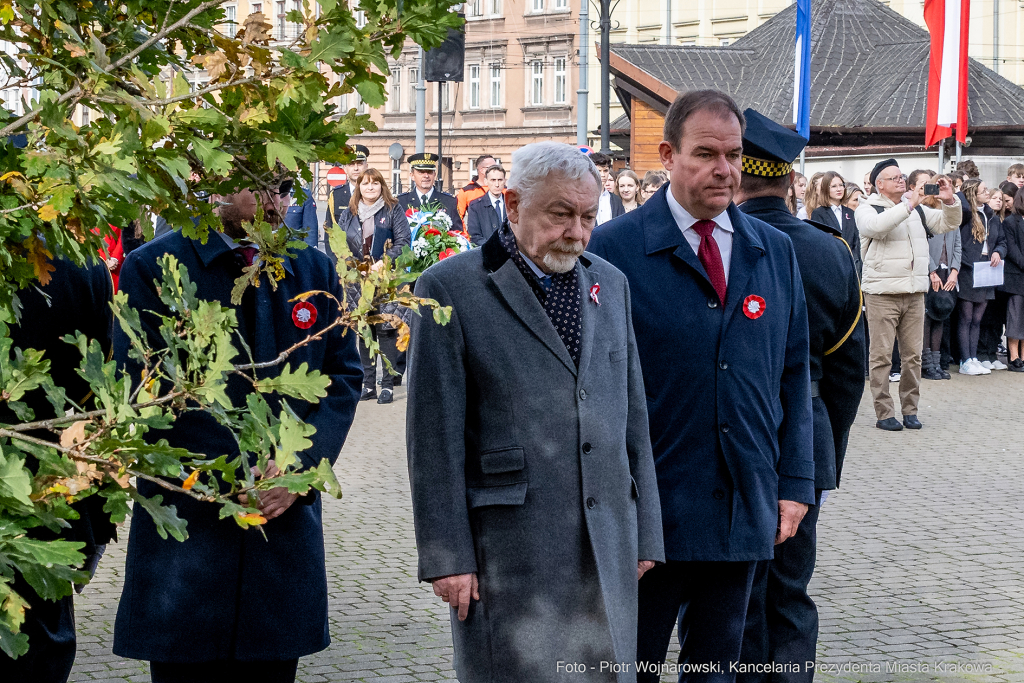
{"x":802,"y":161}
{"x":958,"y":151}
{"x":942,"y":154}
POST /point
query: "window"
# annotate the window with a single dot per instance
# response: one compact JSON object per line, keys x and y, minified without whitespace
{"x":396,"y":177}
{"x":342,"y":104}
{"x":360,"y":105}
{"x":537,"y":5}
{"x":414,"y":81}
{"x":560,"y":80}
{"x":85,"y":116}
{"x":12,"y":101}
{"x":395,"y":100}
{"x":257,"y":7}
{"x":360,"y":19}
{"x":496,"y":8}
{"x":280,"y":21}
{"x":296,"y":28}
{"x":537,"y":82}
{"x":474,"y":86}
{"x":495,"y":85}
{"x":725,"y":41}
{"x":475,"y":8}
{"x":446,"y":100}
{"x":561,"y":4}
{"x":231,"y":23}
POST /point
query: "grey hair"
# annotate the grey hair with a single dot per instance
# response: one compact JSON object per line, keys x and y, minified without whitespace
{"x":532,"y":165}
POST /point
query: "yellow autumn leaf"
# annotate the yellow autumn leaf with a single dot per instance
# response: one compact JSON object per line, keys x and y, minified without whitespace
{"x":9,"y":174}
{"x":191,"y":481}
{"x":47,"y":212}
{"x":39,"y":256}
{"x":251,"y":519}
{"x":403,"y":338}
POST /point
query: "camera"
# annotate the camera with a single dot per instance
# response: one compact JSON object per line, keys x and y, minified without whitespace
{"x":931,"y":189}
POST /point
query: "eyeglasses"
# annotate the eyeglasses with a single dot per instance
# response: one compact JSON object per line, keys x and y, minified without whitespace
{"x":895,"y":178}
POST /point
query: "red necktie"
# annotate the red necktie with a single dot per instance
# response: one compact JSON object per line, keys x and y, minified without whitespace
{"x":249,"y":254}
{"x":710,"y":257}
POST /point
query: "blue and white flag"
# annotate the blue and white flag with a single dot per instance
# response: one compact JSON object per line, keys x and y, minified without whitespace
{"x":802,"y":72}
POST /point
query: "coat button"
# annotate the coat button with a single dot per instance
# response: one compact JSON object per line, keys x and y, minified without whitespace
{"x":587,"y":448}
{"x":583,"y":394}
{"x":723,"y":365}
{"x":712,"y":303}
{"x":591,"y":503}
{"x":725,"y":429}
{"x":718,"y":494}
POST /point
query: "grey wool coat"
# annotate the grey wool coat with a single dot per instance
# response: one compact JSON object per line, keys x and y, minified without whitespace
{"x":533,"y":474}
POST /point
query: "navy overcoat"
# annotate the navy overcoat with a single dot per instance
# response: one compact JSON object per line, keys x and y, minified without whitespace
{"x":225,"y":593}
{"x":728,"y":395}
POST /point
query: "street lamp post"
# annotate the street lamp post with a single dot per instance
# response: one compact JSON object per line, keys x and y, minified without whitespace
{"x":606,"y":86}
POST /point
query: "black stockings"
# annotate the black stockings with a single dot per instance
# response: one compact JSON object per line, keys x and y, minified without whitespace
{"x":970,"y":327}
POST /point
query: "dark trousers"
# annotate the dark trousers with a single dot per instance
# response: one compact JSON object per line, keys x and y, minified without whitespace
{"x":897,"y":363}
{"x":50,"y":627}
{"x":782,"y":621}
{"x":388,"y":341}
{"x":708,"y":601}
{"x":220,"y":672}
{"x":992,"y":326}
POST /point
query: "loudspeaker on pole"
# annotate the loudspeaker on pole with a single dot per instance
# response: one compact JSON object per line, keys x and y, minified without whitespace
{"x":446,"y":62}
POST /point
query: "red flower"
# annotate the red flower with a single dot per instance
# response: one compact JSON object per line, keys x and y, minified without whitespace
{"x":454,"y":233}
{"x":409,"y":212}
{"x":446,"y":253}
{"x":433,"y":231}
{"x":753,"y":307}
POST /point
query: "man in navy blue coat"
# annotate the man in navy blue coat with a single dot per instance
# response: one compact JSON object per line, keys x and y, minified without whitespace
{"x":721,"y":327}
{"x":782,"y":620}
{"x":227,"y":604}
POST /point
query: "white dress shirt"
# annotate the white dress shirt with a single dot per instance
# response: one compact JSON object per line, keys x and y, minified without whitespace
{"x":604,"y":208}
{"x":497,"y":203}
{"x":424,"y":198}
{"x":838,"y":211}
{"x":722,"y":233}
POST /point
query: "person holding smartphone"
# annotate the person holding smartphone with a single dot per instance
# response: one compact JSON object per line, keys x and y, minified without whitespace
{"x":944,"y":253}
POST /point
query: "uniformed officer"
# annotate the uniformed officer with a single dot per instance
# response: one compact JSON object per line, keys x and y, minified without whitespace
{"x":340,"y":196}
{"x":782,"y":621}
{"x":424,"y":174}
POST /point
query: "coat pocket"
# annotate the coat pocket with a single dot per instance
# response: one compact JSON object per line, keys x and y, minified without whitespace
{"x":484,"y":496}
{"x":503,"y":460}
{"x":618,"y":355}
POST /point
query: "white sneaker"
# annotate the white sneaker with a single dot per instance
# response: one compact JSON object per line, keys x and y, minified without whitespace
{"x":967,"y":367}
{"x":894,"y":377}
{"x":979,"y":366}
{"x":998,"y":365}
{"x":987,"y":364}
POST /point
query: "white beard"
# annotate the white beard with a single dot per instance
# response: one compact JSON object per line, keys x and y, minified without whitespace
{"x":563,"y":256}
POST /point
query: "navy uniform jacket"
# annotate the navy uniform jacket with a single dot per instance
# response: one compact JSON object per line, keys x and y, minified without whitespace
{"x":449,"y":203}
{"x":337,"y":200}
{"x":728,"y":396}
{"x":832,"y":290}
{"x":482,"y":219}
{"x":225,"y":593}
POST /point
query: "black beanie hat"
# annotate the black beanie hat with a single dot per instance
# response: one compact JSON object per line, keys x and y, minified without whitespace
{"x":879,"y":167}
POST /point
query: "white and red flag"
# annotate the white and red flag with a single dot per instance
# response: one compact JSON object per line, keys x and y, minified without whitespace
{"x":948,"y":22}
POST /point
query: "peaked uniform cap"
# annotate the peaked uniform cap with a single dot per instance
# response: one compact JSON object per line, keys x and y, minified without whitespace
{"x":362,"y":152}
{"x":769,"y":148}
{"x":424,"y":161}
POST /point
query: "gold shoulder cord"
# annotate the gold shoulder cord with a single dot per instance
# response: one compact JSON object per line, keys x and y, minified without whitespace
{"x":860,"y":306}
{"x":329,"y":218}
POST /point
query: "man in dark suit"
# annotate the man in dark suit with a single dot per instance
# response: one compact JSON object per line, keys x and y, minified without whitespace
{"x":721,"y":327}
{"x":76,"y":299}
{"x":338,"y":199}
{"x":610,"y":205}
{"x":259,"y":603}
{"x":488,"y":213}
{"x":782,"y":621}
{"x":533,"y":487}
{"x":424,"y":172}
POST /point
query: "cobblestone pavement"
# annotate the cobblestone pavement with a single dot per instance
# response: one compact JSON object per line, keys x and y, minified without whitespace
{"x":920,"y":558}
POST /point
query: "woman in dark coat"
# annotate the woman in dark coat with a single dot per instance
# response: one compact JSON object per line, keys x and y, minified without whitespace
{"x":982,"y":239}
{"x":374,"y":225}
{"x":1013,"y":283}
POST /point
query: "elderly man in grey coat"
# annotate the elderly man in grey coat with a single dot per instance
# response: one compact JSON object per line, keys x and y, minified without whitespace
{"x":535,"y":501}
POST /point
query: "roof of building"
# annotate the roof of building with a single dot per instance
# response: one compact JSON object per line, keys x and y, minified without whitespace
{"x":869,"y":69}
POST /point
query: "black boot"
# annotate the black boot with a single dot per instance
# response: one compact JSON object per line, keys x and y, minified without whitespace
{"x":929,"y":365}
{"x":942,"y":366}
{"x":369,"y":373}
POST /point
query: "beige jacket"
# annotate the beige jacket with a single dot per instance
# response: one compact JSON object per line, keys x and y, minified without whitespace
{"x":894,"y":245}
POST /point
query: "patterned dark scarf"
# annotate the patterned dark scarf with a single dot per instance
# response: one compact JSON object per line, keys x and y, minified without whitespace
{"x":559,"y":294}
